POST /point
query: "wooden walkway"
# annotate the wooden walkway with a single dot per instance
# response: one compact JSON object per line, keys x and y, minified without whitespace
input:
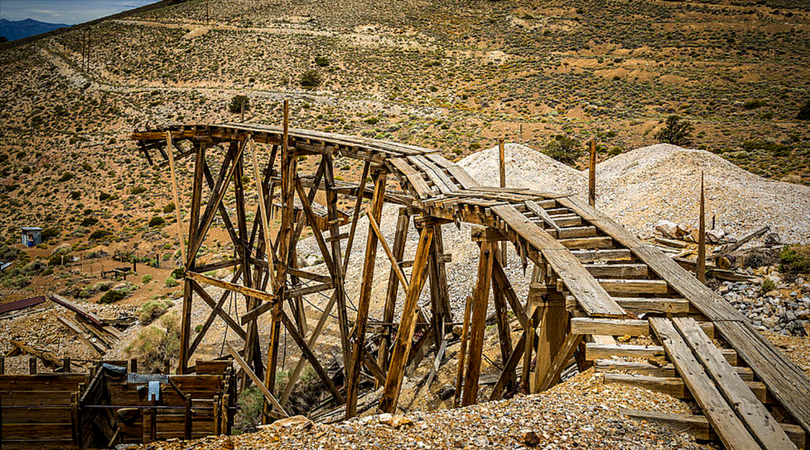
{"x":592,"y":280}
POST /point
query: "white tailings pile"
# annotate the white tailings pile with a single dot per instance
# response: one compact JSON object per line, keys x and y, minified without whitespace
{"x":662,"y":181}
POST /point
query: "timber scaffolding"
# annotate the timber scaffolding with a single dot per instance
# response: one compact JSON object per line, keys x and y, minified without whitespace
{"x":591,"y":280}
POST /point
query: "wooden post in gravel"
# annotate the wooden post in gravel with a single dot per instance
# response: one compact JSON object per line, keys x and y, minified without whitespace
{"x":400,"y":237}
{"x":478,"y":323}
{"x":502,"y":171}
{"x":592,"y":174}
{"x":402,"y":345}
{"x":701,"y":257}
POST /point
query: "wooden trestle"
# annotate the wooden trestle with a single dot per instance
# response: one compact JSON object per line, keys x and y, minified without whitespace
{"x":592,"y":280}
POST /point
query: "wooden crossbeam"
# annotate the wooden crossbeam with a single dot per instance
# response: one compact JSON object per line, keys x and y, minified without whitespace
{"x":258,"y":382}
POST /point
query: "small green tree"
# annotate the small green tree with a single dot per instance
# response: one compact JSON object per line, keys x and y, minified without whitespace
{"x":236,"y":104}
{"x":564,"y":149}
{"x":676,"y":131}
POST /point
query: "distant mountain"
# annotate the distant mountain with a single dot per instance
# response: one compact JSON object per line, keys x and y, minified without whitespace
{"x":19,"y":29}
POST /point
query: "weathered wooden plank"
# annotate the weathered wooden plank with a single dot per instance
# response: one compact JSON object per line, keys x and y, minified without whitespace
{"x":616,"y":270}
{"x":698,"y":426}
{"x":634,"y":287}
{"x":727,"y":425}
{"x":784,"y":379}
{"x":668,"y":370}
{"x":610,"y":327}
{"x":616,"y":254}
{"x":588,"y":242}
{"x":250,"y":292}
{"x":758,"y":420}
{"x":593,"y":297}
{"x":413,"y":177}
{"x":258,"y":382}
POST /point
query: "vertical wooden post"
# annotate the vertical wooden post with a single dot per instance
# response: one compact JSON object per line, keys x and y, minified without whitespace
{"x":400,"y":237}
{"x":133,"y":365}
{"x":404,"y":339}
{"x":592,"y":174}
{"x":337,"y":258}
{"x":359,"y":338}
{"x":194,"y":219}
{"x":478,"y":322}
{"x":32,"y":365}
{"x":268,"y":247}
{"x":439,"y":296}
{"x":65,"y":365}
{"x":553,"y":326}
{"x":284,"y":237}
{"x":504,"y":330}
{"x":502,"y":179}
{"x":2,"y":365}
{"x":462,"y":352}
{"x":701,"y":258}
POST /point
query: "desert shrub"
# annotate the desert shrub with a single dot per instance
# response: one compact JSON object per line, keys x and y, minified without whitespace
{"x":236,"y":104}
{"x":310,"y":79}
{"x":676,"y":131}
{"x":804,"y":111}
{"x":168,"y":208}
{"x":67,"y":176}
{"x":322,"y":61}
{"x":248,"y":416}
{"x":49,"y":233}
{"x":89,"y":221}
{"x":615,"y":151}
{"x":768,"y":285}
{"x":74,"y":195}
{"x":99,"y":234}
{"x":58,"y":259}
{"x":474,"y":146}
{"x":564,"y":149}
{"x":112,"y":297}
{"x":774,"y":148}
{"x":372,"y":120}
{"x":795,"y":259}
{"x":104,"y":196}
{"x":156,"y":221}
{"x":156,"y":343}
{"x":171,"y":282}
{"x":178,"y":273}
{"x":8,"y":253}
{"x":146,"y":278}
{"x":754,"y":104}
{"x":152,"y":310}
{"x":138,"y":190}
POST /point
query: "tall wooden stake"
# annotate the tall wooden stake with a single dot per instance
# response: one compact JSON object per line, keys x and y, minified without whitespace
{"x":701,"y":258}
{"x":592,"y":174}
{"x":263,"y":209}
{"x":502,"y":171}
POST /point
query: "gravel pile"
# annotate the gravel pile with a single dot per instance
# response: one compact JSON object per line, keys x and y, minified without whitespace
{"x":784,"y":310}
{"x":662,"y":181}
{"x":643,"y":186}
{"x":581,"y":413}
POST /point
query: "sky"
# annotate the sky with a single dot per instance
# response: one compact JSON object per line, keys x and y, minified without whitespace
{"x":70,"y":12}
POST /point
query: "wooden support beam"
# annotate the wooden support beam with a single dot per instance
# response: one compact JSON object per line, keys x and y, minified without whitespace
{"x":562,"y":357}
{"x":250,"y":292}
{"x":176,"y":198}
{"x":402,"y":344}
{"x":400,"y":237}
{"x":552,"y":335}
{"x":227,"y":318}
{"x":509,"y":368}
{"x":359,"y":338}
{"x":592,"y":173}
{"x":478,"y":323}
{"x":268,"y":247}
{"x":313,"y":360}
{"x":267,"y":394}
{"x":504,"y":330}
{"x":610,"y":327}
{"x":462,"y":356}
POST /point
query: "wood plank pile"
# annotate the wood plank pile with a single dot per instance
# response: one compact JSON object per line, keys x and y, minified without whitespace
{"x":592,"y":281}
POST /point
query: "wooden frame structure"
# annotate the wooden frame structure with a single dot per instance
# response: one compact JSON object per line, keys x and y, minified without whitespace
{"x":591,"y":279}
